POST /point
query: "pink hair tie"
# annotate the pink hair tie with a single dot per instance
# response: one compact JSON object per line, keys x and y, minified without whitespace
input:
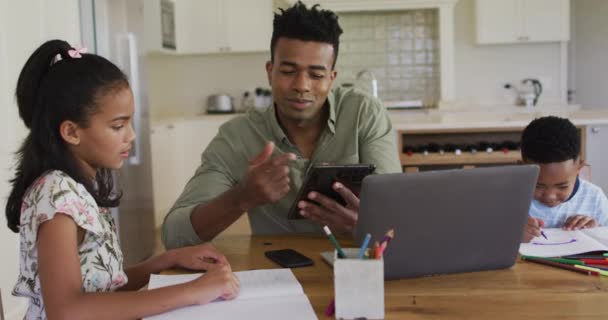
{"x":77,"y":51}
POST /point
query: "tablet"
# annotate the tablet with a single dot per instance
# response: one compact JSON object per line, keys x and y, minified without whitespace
{"x":320,"y":178}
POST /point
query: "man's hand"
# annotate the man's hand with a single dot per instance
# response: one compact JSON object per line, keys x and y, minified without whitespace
{"x":532,"y":229}
{"x":266,"y":180}
{"x":579,"y":221}
{"x":331,"y":213}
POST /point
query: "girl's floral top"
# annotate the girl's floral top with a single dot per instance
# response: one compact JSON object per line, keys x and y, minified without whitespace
{"x":100,"y":256}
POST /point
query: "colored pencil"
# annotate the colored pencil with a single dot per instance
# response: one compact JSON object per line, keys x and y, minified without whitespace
{"x":331,"y":308}
{"x":375,"y":250}
{"x":333,"y":240}
{"x":585,"y":256}
{"x":364,"y":246}
{"x":558,"y":260}
{"x":601,"y":272}
{"x":593,"y":261}
{"x":562,"y":266}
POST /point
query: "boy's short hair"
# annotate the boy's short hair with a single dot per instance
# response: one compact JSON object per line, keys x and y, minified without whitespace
{"x":301,"y":23}
{"x":550,"y":139}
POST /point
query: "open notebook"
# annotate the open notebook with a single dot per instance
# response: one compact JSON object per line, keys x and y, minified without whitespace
{"x":265,"y":294}
{"x":563,"y":243}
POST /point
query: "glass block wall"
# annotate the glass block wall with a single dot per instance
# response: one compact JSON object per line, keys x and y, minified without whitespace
{"x":401,"y":49}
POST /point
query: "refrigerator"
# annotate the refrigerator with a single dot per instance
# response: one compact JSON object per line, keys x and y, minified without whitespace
{"x":114,"y":29}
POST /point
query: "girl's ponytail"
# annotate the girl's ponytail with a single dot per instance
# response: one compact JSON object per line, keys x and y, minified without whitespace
{"x":30,"y":78}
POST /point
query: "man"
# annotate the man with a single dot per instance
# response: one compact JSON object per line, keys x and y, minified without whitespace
{"x":257,"y":162}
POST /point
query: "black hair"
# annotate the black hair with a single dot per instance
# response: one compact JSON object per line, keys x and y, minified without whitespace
{"x":50,"y":91}
{"x":550,"y":139}
{"x":301,"y":23}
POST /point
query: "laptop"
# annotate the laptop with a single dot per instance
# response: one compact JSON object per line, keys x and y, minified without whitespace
{"x":447,"y":221}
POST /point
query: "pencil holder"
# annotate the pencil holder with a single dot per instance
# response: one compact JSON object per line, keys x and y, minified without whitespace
{"x":359,"y":287}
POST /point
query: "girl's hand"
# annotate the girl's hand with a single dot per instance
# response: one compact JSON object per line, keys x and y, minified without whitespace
{"x":218,"y":282}
{"x":200,"y":257}
{"x":579,"y":221}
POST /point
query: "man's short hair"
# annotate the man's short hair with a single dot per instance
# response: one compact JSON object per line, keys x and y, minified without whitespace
{"x":301,"y":23}
{"x":550,"y":139}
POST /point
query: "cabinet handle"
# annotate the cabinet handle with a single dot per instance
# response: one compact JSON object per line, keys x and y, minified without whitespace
{"x":595,"y":129}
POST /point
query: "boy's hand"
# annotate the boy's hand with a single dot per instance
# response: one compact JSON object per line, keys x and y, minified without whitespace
{"x":579,"y":221}
{"x":532,"y":229}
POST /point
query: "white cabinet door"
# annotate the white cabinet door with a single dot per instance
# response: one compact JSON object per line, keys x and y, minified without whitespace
{"x":176,"y":154}
{"x":498,"y":21}
{"x":248,"y":25}
{"x":546,"y":20}
{"x":210,"y":26}
{"x":166,"y":152}
{"x":521,"y":21}
{"x":596,"y":154}
{"x":198,"y":26}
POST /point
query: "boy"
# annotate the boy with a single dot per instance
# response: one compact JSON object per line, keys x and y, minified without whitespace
{"x":561,"y":198}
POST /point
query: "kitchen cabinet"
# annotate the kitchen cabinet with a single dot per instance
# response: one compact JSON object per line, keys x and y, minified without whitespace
{"x":210,"y":26}
{"x":177,"y":146}
{"x":522,"y":21}
{"x":595,"y":154}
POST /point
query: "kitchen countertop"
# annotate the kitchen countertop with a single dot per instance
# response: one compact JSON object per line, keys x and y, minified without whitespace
{"x":414,"y":120}
{"x":435,"y":119}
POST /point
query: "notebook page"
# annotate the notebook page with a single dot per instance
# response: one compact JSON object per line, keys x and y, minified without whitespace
{"x":561,"y":243}
{"x":254,"y":283}
{"x":292,"y":307}
{"x":600,"y":234}
{"x":265,"y":294}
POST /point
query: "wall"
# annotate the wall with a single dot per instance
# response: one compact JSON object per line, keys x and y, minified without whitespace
{"x":481,"y":70}
{"x":179,"y":85}
{"x":36,"y":21}
{"x":588,"y":63}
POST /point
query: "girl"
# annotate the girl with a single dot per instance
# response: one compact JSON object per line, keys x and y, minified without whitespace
{"x":78,"y":109}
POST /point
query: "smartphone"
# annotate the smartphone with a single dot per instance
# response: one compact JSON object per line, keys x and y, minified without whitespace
{"x":288,"y":258}
{"x":320,"y":178}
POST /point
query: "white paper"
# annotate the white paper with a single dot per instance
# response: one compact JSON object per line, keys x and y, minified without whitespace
{"x":562,"y":243}
{"x":264,"y":294}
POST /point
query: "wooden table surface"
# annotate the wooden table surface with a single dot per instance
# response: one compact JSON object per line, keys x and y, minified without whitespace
{"x":525,"y":291}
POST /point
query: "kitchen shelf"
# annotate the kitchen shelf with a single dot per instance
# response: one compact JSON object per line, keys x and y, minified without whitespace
{"x":434,"y":158}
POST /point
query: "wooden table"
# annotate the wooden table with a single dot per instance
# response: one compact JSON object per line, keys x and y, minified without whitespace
{"x":526,"y":291}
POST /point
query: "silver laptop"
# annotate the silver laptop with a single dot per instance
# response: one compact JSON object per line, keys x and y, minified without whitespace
{"x":447,"y":221}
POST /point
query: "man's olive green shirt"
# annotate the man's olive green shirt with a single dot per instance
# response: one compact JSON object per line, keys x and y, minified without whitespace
{"x":358,"y":131}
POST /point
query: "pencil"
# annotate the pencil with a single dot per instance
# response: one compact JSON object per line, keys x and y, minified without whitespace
{"x":364,"y":245}
{"x":341,"y":253}
{"x":375,"y":250}
{"x":558,"y":260}
{"x":390,"y":234}
{"x":590,"y":269}
{"x":331,"y":308}
{"x":562,"y":266}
